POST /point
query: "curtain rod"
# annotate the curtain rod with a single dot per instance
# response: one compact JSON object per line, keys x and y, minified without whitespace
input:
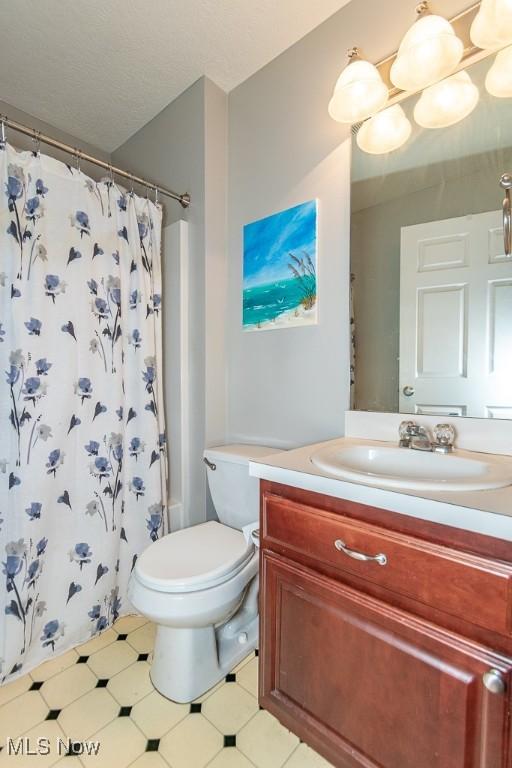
{"x":38,"y":137}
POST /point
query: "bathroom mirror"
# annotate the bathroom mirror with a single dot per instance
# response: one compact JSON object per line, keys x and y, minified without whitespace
{"x":431,"y":277}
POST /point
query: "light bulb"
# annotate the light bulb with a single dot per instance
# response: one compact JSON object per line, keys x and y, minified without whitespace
{"x":385,"y":132}
{"x":492,"y":26}
{"x":429,"y":51}
{"x":499,"y":78}
{"x":447,"y":102}
{"x":359,"y":93}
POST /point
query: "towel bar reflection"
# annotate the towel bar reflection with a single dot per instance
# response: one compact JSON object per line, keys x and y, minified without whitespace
{"x":506,"y":184}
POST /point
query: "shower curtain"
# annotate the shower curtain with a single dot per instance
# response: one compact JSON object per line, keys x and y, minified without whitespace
{"x":82,"y":439}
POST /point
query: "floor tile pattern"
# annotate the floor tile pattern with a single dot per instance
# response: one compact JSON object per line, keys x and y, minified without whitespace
{"x":101,"y":692}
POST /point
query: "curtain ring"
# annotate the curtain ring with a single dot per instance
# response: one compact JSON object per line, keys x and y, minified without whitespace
{"x":156,"y":195}
{"x":78,"y":155}
{"x":2,"y":132}
{"x":36,"y":138}
{"x":111,"y":174}
{"x":131,"y":186}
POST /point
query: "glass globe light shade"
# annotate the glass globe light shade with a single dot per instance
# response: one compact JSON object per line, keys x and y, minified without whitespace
{"x":429,"y":51}
{"x":499,"y":78}
{"x":492,"y":26}
{"x":359,"y":93}
{"x":447,"y":102}
{"x":387,"y":131}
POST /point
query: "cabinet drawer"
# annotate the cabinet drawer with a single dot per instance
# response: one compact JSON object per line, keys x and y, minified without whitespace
{"x":467,"y":586}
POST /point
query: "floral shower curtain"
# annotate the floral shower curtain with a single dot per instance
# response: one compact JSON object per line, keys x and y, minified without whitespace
{"x":82,"y":439}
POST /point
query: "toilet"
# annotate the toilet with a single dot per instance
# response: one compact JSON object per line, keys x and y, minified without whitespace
{"x":200,"y":585}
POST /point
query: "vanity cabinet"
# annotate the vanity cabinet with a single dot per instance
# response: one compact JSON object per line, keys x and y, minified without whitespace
{"x":399,"y":662}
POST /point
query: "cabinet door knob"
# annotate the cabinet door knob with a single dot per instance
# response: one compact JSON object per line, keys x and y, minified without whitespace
{"x":340,"y":545}
{"x":494,"y":681}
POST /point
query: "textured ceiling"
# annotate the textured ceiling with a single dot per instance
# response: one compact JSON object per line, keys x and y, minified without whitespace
{"x":100,"y":70}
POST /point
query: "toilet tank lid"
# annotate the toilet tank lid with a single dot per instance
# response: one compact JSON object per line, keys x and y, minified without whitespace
{"x":239,"y":453}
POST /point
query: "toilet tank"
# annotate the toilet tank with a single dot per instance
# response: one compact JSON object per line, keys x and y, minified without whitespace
{"x":235,"y":493}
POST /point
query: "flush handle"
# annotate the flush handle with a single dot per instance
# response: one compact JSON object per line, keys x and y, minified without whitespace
{"x":210,"y":464}
{"x":408,"y":391}
{"x":340,"y":545}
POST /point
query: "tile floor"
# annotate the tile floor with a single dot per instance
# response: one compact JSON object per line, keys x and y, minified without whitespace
{"x":101,"y":691}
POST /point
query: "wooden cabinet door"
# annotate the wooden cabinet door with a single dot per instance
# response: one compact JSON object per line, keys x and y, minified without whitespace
{"x":369,"y":685}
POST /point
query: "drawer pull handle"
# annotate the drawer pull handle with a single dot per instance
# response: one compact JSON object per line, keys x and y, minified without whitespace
{"x":340,"y":545}
{"x":494,"y":681}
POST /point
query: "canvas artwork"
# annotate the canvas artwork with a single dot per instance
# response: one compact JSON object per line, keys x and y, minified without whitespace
{"x":280,"y":270}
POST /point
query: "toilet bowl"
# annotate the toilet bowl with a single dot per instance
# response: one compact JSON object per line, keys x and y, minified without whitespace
{"x":200,"y":584}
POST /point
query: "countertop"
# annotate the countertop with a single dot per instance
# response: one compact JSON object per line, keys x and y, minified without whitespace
{"x":488,"y":512}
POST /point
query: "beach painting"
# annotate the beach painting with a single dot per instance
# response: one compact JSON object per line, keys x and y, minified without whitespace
{"x":280,"y":270}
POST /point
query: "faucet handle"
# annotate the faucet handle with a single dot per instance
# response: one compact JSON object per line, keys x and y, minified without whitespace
{"x":444,"y":435}
{"x":406,"y":430}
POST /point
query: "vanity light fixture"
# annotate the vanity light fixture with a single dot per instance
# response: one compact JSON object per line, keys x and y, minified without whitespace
{"x":492,"y":26}
{"x":428,"y":63}
{"x":359,"y":93}
{"x":429,"y":52}
{"x":499,"y":78}
{"x":385,"y":132}
{"x":448,"y":102}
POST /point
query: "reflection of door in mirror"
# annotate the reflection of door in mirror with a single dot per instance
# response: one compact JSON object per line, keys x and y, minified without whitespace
{"x":456,"y":318}
{"x":436,"y":205}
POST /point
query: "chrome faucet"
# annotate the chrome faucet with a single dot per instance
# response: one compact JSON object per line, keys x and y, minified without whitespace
{"x":417,"y":438}
{"x":420,"y":440}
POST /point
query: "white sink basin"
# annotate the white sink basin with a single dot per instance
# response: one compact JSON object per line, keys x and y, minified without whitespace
{"x":403,"y":468}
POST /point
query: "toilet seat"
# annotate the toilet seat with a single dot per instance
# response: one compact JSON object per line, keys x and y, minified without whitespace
{"x":194,"y":558}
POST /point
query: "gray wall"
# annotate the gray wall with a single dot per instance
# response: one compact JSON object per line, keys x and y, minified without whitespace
{"x":289,"y":387}
{"x":216,"y":159}
{"x":184,"y":148}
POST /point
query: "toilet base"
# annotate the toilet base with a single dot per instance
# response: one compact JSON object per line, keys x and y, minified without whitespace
{"x":188,"y":662}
